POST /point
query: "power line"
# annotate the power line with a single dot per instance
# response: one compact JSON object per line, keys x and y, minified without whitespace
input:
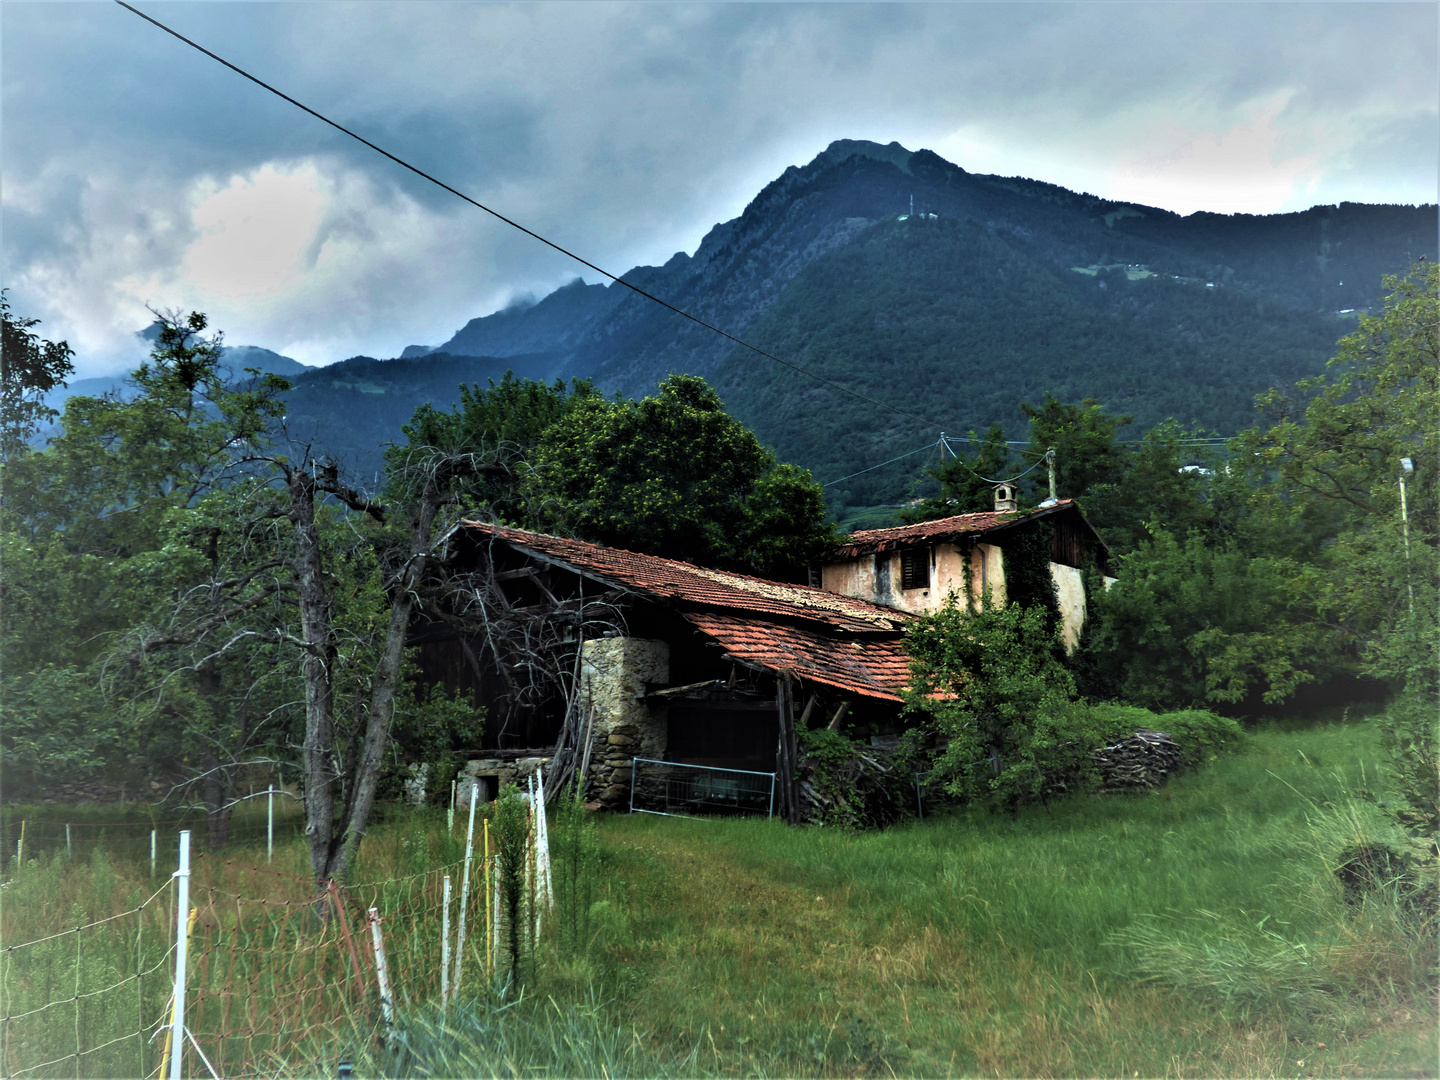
{"x":528,"y":232}
{"x":892,"y":461}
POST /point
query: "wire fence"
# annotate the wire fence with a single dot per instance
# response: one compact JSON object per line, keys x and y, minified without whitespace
{"x":275,"y":972}
{"x":670,"y":787}
{"x":86,"y":1000}
{"x":35,"y":836}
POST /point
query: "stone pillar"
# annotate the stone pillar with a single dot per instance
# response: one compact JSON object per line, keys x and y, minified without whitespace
{"x":612,"y":672}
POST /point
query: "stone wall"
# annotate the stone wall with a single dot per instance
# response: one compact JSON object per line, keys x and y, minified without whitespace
{"x":613,"y":671}
{"x":493,"y":774}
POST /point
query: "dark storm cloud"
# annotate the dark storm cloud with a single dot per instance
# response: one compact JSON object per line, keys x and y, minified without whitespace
{"x":136,"y":169}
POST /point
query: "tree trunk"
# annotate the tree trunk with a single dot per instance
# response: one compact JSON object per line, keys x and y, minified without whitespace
{"x":386,"y":683}
{"x":318,"y":751}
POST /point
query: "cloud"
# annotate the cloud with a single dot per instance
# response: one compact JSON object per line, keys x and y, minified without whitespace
{"x":136,"y":170}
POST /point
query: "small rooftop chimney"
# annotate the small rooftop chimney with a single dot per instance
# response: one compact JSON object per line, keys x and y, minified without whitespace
{"x":1004,"y":498}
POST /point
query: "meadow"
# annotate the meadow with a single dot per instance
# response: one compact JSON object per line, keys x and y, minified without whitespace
{"x":1198,"y":930}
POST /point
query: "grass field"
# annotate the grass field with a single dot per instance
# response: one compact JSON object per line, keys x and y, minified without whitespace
{"x":1196,"y":931}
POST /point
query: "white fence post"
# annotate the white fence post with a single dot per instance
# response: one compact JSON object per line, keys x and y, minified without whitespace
{"x":543,"y":839}
{"x":68,"y":853}
{"x":152,"y":852}
{"x":445,"y":947}
{"x":182,"y":918}
{"x":270,"y":823}
{"x":465,"y":884}
{"x":387,"y":1004}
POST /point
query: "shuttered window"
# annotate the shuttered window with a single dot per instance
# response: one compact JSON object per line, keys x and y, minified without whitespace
{"x":915,"y":568}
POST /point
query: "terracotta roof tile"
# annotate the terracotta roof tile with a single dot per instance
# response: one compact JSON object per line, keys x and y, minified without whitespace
{"x":672,"y":579}
{"x":871,"y":541}
{"x":874,"y":667}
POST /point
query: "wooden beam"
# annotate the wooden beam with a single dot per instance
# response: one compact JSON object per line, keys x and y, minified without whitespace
{"x":834,"y":724}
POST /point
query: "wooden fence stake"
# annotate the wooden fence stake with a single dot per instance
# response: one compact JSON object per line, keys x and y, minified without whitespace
{"x":387,"y":1004}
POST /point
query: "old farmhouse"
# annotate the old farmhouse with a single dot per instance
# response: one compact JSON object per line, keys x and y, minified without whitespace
{"x":691,"y":666}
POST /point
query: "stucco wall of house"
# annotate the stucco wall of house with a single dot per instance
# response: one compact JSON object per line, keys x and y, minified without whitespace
{"x":1070,"y":592}
{"x":877,"y":578}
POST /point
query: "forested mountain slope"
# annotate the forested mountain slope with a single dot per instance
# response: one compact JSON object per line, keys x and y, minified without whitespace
{"x":995,"y":291}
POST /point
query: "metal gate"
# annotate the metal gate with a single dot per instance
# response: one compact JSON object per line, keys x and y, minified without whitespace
{"x":672,"y":787}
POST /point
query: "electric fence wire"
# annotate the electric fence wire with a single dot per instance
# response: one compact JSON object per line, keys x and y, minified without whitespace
{"x":838,"y":387}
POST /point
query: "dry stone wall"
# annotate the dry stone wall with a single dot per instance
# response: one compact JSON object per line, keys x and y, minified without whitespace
{"x":613,"y":674}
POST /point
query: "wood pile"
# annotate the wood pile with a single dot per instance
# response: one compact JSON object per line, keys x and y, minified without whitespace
{"x":1142,"y":760}
{"x":865,"y":793}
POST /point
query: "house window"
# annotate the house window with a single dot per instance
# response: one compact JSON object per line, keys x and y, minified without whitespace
{"x":915,"y":568}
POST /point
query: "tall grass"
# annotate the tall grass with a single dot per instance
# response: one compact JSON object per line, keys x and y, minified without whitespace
{"x":1196,"y":930}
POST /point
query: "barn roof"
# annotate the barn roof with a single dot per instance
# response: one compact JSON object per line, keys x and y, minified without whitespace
{"x":672,"y":579}
{"x":850,"y":644}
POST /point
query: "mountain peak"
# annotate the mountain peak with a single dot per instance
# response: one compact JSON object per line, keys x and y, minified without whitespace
{"x":841,"y":149}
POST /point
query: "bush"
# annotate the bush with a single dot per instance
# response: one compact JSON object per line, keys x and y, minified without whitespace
{"x":1200,"y":734}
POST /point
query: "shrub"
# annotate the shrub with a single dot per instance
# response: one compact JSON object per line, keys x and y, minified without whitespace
{"x":1199,"y":733}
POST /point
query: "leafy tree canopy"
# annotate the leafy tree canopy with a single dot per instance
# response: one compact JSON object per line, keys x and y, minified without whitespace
{"x":675,"y":475}
{"x":30,"y":367}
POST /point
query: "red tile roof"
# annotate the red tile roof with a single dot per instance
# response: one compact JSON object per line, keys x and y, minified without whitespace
{"x":872,"y":541}
{"x":671,"y":579}
{"x":850,"y":644}
{"x":871,"y":666}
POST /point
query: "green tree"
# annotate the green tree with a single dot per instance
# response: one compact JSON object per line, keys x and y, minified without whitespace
{"x":1361,"y":446}
{"x":998,"y":693}
{"x":966,"y":480}
{"x":88,"y":540}
{"x":505,"y":423}
{"x":30,"y":367}
{"x":675,"y":475}
{"x":1188,"y":622}
{"x":1083,"y":438}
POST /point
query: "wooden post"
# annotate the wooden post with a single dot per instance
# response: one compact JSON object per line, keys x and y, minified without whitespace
{"x":785,"y":757}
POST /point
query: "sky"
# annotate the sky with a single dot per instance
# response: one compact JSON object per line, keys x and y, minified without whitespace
{"x":137,"y":172}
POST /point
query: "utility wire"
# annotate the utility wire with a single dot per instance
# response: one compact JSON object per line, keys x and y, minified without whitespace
{"x":892,"y":461}
{"x":528,"y":232}
{"x":1008,"y":480}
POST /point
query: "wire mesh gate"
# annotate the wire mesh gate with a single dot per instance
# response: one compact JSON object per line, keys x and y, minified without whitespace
{"x":673,"y":787}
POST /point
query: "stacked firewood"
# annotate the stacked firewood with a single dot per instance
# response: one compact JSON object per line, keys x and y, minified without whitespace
{"x":865,"y":792}
{"x":1142,"y":760}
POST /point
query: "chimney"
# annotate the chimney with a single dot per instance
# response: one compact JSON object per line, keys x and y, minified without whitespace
{"x":1004,"y":498}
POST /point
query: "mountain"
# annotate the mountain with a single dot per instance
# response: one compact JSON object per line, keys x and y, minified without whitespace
{"x":994,"y":291}
{"x":352,"y":408}
{"x":234,"y":359}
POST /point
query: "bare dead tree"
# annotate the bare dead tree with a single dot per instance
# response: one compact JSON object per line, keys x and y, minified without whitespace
{"x":535,"y":647}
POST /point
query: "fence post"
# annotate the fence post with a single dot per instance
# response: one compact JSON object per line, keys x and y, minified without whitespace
{"x":465,"y":884}
{"x":270,"y":823}
{"x":450,"y":814}
{"x":445,"y":948}
{"x":20,"y":846}
{"x":152,"y":852}
{"x":490,"y":921}
{"x":182,"y":918}
{"x":387,"y":1005}
{"x":544,"y":838}
{"x":69,"y":854}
